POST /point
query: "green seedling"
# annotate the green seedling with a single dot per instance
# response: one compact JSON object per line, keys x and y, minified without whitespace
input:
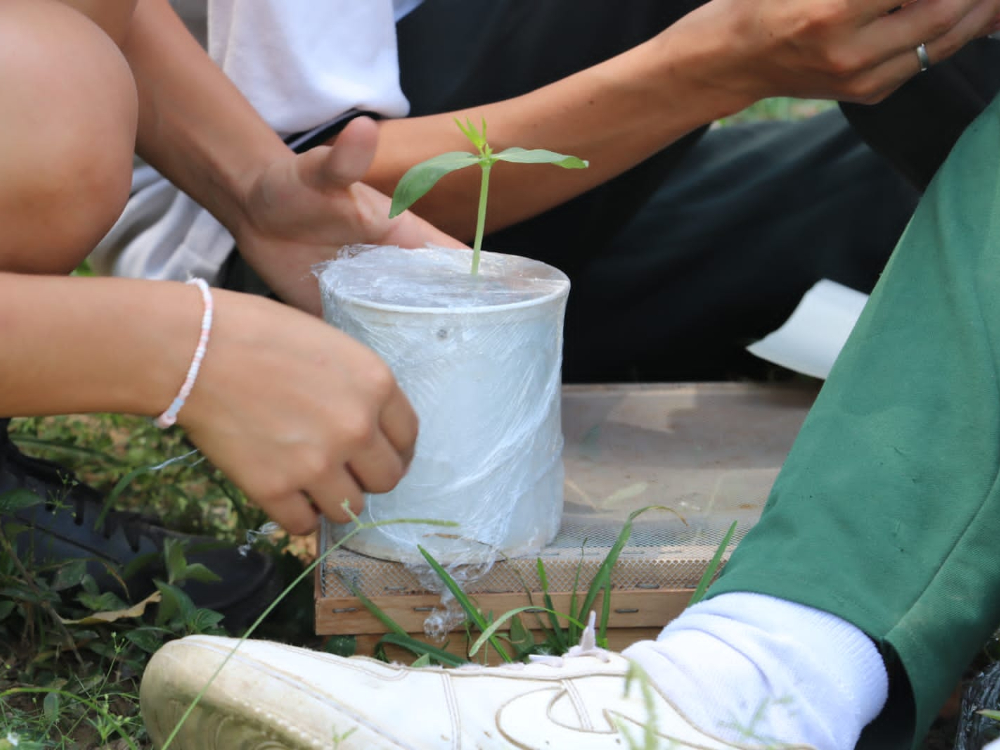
{"x":713,"y":567}
{"x":419,"y":179}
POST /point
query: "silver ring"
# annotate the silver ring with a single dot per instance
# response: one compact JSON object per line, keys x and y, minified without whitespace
{"x":923,"y":57}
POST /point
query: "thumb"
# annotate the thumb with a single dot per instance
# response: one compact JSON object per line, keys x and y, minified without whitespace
{"x":326,"y":168}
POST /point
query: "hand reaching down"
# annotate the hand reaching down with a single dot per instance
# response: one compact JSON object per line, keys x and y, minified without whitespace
{"x":300,"y":416}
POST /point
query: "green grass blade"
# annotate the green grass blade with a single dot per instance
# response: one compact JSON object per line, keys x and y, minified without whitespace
{"x":522,"y":639}
{"x":574,"y":634}
{"x":602,"y":579}
{"x":377,"y":612}
{"x":548,"y":636}
{"x":557,"y":632}
{"x":91,"y":704}
{"x":423,"y":649}
{"x":491,"y":630}
{"x":471,"y":611}
{"x":602,"y":628}
{"x":713,"y":566}
{"x":64,"y":446}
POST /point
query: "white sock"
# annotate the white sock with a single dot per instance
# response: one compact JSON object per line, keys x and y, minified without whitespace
{"x":753,"y":668}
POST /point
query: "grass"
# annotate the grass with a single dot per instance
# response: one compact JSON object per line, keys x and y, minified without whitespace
{"x":72,"y":655}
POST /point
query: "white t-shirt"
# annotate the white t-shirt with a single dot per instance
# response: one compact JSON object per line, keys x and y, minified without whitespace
{"x":301,"y":63}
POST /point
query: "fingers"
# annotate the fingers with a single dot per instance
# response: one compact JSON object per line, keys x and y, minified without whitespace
{"x":296,"y":514}
{"x":347,"y":161}
{"x":944,"y":26}
{"x":375,"y":469}
{"x":330,"y":492}
{"x":374,"y":466}
{"x":373,"y":461}
{"x":378,"y":469}
{"x":885,"y":53}
{"x":322,"y":421}
{"x":399,"y":424}
{"x":979,"y":21}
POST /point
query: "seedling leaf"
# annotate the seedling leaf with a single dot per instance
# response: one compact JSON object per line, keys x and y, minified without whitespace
{"x":540,"y":156}
{"x":476,"y":137}
{"x":420,"y":178}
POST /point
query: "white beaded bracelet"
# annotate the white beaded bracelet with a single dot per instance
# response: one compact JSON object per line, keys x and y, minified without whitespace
{"x":169,"y":417}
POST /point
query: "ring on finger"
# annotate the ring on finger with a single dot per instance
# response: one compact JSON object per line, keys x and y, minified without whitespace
{"x":923,"y":57}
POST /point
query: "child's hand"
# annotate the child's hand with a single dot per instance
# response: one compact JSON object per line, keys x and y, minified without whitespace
{"x":299,"y":415}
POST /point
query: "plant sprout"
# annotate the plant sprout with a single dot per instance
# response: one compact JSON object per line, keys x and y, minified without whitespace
{"x":419,"y":179}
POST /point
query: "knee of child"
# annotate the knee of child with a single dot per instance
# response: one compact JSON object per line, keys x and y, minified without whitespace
{"x":66,"y":155}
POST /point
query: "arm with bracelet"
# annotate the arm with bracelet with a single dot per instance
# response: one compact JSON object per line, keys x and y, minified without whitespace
{"x":299,"y":416}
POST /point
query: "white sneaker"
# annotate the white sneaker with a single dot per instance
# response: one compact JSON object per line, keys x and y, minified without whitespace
{"x":274,"y":696}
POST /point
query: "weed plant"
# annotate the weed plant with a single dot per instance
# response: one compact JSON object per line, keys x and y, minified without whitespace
{"x":72,"y":654}
{"x":420,"y":178}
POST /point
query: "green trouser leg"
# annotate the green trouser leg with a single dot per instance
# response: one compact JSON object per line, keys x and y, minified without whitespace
{"x":887,"y":510}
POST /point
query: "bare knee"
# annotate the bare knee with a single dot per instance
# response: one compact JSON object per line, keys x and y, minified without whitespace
{"x":68,"y":110}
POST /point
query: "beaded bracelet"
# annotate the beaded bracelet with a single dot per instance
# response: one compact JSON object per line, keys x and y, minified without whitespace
{"x":169,"y":417}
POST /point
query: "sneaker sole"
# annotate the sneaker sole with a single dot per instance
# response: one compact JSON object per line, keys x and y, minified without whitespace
{"x":227,"y":717}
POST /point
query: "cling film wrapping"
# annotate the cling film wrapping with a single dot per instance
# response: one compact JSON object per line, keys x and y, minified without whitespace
{"x":479,"y":357}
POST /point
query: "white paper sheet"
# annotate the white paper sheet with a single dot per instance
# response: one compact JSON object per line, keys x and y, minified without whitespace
{"x":810,"y":340}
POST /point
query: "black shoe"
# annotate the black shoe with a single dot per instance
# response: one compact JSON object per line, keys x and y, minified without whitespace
{"x":68,"y":526}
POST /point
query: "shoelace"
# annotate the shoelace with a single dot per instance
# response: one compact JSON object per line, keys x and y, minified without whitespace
{"x":586,"y":647}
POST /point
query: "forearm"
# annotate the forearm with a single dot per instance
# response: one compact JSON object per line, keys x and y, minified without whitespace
{"x":94,"y":345}
{"x":194,"y":125}
{"x":615,"y":115}
{"x":714,"y":61}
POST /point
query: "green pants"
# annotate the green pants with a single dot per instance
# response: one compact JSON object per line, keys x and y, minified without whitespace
{"x":887,"y":510}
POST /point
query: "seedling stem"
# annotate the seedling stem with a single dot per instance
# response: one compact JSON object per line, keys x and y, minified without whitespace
{"x":419,"y":179}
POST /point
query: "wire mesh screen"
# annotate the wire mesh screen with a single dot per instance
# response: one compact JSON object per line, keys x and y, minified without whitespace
{"x":697,"y":457}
